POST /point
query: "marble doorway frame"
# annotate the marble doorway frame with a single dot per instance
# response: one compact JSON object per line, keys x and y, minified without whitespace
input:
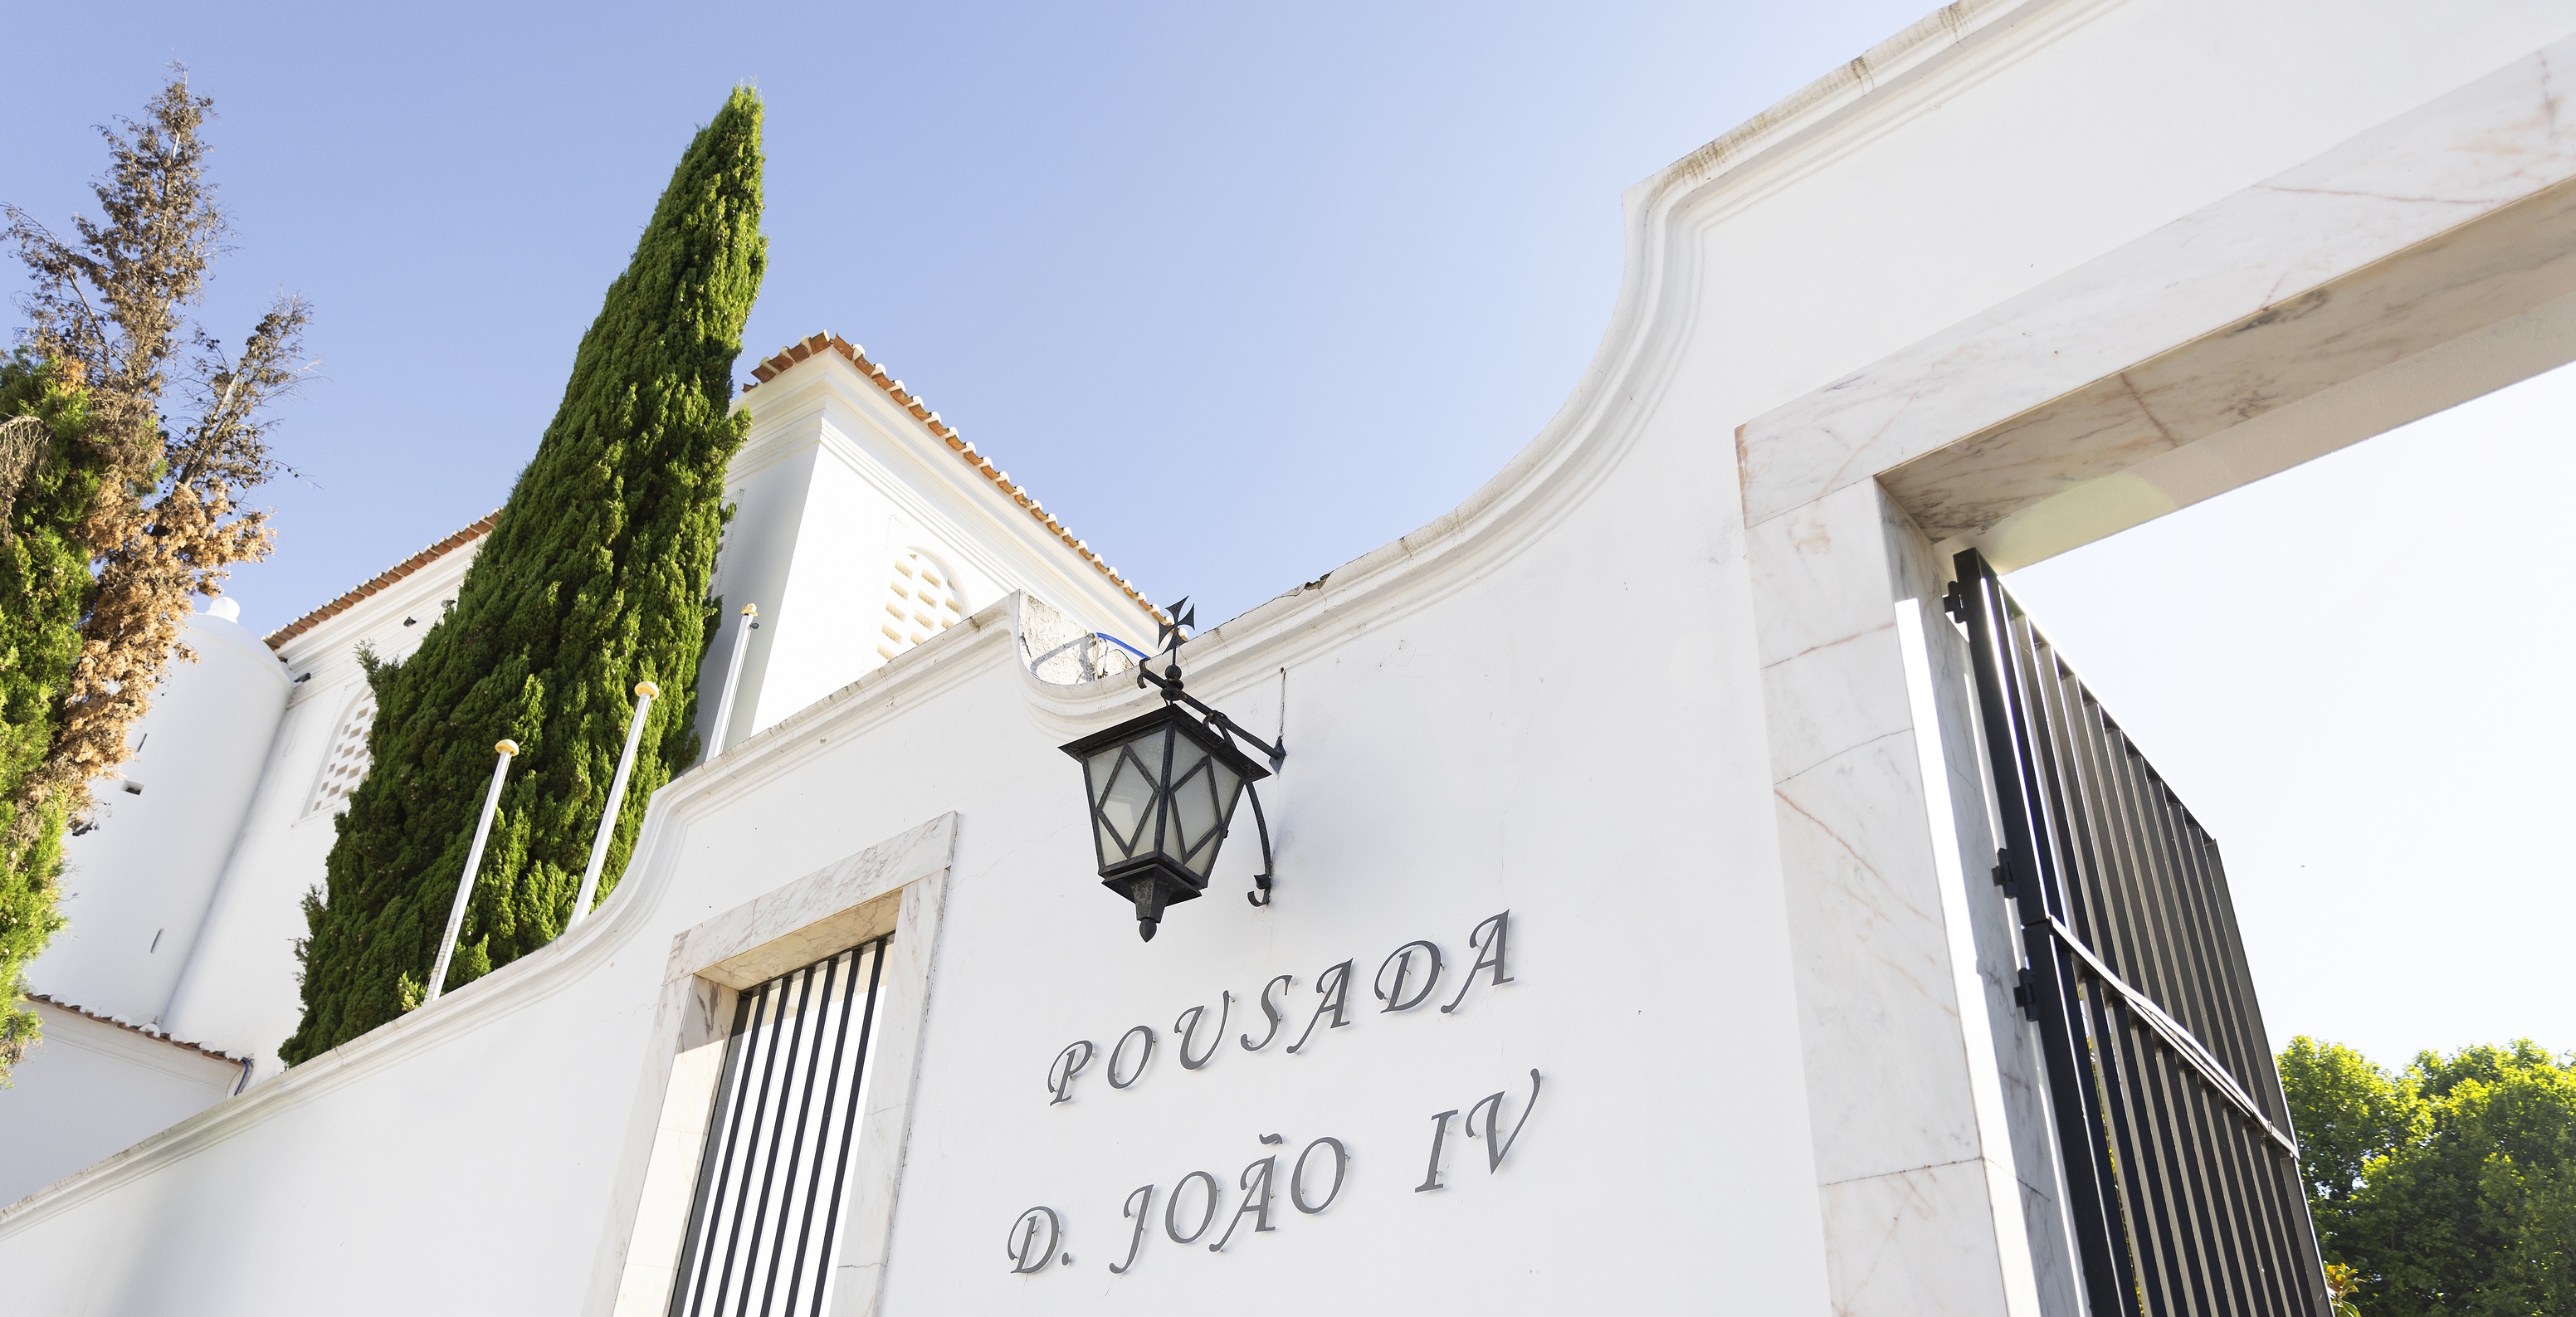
{"x":2422,"y":263}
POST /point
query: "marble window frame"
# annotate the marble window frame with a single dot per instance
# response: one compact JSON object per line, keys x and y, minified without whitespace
{"x":898,"y":887}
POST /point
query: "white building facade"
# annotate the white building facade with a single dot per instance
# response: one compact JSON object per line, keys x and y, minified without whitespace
{"x":1724,"y":1017}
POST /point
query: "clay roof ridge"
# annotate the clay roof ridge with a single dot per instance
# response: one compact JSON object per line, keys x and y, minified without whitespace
{"x":278,"y":638}
{"x":816,"y":344}
{"x":154,"y":1034}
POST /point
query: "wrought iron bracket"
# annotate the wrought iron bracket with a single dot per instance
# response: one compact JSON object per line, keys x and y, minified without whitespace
{"x":1171,"y":687}
{"x":1261,"y":880}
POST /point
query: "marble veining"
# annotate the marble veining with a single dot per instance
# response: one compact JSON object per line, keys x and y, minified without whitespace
{"x":1896,"y":1243}
{"x":2256,"y":260}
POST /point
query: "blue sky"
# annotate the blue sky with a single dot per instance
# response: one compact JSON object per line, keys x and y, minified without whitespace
{"x":1332,"y":263}
{"x":1306,"y":276}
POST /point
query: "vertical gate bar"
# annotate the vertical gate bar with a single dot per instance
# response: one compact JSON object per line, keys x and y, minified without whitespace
{"x":2227,"y":1035}
{"x":849,"y":1122}
{"x":2184,"y":1117}
{"x":760,"y":1221}
{"x":2083,"y":1154}
{"x":2251,"y":1061}
{"x":831,"y":1093}
{"x":2152,"y":1172}
{"x":2117,"y":935}
{"x":2271,"y":1239}
{"x":2218,"y":1126}
{"x":2071,"y":823}
{"x":2165,"y":951}
{"x":2194,"y":1126}
{"x":796,"y":1145}
{"x":2299,"y":1244}
{"x":2180,"y":1176}
{"x":2152,"y":954}
{"x":2162,"y":966}
{"x":2132,"y":943}
{"x":2140,"y":1167}
{"x":759,"y":1117}
{"x":709,"y":1158}
{"x":2212,"y":1019}
{"x":2265,"y":1077}
{"x":754,"y":1040}
{"x":2251,"y":1057}
{"x":2144,"y":1227}
{"x":2153,"y":1167}
{"x":2306,"y":1257}
{"x":2170,"y":969}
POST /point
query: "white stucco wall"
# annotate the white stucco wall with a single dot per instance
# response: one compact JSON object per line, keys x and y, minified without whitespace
{"x":1778,"y":1074}
{"x":138,"y":883}
{"x":91,"y":1088}
{"x":238,"y":991}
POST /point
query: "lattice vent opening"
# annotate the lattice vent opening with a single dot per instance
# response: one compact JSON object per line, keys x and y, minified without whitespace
{"x":348,"y":762}
{"x":921,"y":601}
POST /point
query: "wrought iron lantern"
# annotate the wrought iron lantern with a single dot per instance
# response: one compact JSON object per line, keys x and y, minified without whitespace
{"x":1162,"y":790}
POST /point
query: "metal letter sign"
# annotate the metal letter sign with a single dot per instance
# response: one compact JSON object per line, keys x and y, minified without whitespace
{"x":1408,"y":978}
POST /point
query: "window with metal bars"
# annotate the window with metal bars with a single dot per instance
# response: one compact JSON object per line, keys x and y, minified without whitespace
{"x":770,"y":1196}
{"x":2181,"y":1168}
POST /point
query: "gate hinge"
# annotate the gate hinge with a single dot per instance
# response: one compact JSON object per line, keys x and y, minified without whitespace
{"x":1955,"y":602}
{"x":2004,"y":874}
{"x":2026,"y":997}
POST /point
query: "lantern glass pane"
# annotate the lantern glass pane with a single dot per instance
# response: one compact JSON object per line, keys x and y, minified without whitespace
{"x":1212,"y":791}
{"x":1194,"y":806}
{"x":1123,"y":775}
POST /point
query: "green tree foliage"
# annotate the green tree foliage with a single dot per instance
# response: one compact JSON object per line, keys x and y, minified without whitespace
{"x":2347,"y":1111}
{"x":594,"y":578}
{"x":49,"y":478}
{"x":2449,"y":1187}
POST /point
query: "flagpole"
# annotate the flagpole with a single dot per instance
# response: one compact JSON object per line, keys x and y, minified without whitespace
{"x":473,"y":861}
{"x":733,"y":679}
{"x":644,"y":693}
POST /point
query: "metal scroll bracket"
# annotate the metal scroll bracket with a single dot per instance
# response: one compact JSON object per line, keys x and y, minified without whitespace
{"x":1260,"y":880}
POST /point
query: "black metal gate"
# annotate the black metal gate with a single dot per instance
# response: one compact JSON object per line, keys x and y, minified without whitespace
{"x":768,"y":1210}
{"x":2181,"y":1170}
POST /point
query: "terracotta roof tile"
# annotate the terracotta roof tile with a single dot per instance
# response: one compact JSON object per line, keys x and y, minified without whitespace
{"x":153,"y":1034}
{"x":858,"y":357}
{"x":277,"y":639}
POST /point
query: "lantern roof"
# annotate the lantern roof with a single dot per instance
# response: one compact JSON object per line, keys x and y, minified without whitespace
{"x":1215,"y":742}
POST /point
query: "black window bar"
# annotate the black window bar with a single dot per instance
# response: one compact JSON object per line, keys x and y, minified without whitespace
{"x":767,"y":1214}
{"x":2181,"y":1166}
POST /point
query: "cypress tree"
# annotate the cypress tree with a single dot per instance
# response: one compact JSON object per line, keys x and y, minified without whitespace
{"x":49,"y":479}
{"x":594,"y":578}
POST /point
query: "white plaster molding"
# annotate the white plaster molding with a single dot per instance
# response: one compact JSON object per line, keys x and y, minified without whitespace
{"x":897,"y":887}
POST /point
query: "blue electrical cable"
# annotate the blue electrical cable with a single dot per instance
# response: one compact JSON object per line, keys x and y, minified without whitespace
{"x":1141,"y":656}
